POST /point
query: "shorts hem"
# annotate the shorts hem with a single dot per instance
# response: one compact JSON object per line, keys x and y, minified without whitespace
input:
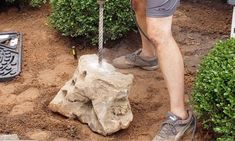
{"x":159,"y":16}
{"x":162,"y":14}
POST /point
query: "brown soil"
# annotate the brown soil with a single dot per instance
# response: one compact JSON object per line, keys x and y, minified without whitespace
{"x":48,"y":64}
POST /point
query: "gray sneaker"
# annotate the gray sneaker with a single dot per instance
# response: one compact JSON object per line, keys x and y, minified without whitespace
{"x":174,"y":128}
{"x":134,"y":60}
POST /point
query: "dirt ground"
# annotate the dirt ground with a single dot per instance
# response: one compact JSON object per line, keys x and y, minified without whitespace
{"x":48,"y":64}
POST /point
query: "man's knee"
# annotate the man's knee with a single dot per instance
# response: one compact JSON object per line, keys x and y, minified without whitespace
{"x":159,"y":36}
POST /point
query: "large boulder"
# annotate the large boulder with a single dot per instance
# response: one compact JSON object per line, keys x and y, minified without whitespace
{"x":96,"y":95}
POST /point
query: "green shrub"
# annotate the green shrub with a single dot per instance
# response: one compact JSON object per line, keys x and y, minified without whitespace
{"x":33,"y":3}
{"x":79,"y":18}
{"x":37,"y":3}
{"x":213,"y":94}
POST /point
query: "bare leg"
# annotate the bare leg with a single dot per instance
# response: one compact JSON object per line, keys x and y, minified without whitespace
{"x":144,"y":58}
{"x":171,"y":61}
{"x":140,"y":10}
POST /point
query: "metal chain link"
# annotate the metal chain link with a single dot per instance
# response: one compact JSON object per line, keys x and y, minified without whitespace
{"x":101,"y":30}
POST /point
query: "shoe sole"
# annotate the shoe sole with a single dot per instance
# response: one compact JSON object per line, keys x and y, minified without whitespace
{"x":150,"y":68}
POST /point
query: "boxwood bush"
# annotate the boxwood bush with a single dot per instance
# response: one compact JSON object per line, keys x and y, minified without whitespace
{"x":79,"y":18}
{"x":213,"y":94}
{"x":33,"y":3}
{"x":37,"y":3}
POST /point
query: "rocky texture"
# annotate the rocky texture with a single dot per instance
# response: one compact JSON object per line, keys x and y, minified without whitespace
{"x":96,"y":95}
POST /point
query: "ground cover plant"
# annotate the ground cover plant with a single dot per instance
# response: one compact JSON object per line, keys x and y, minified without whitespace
{"x":78,"y":18}
{"x":214,"y":91}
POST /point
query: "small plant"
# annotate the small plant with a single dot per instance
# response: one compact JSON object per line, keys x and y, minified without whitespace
{"x":213,"y":95}
{"x":79,"y":18}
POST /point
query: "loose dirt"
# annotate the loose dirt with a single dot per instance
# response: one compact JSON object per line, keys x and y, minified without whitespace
{"x":48,"y":64}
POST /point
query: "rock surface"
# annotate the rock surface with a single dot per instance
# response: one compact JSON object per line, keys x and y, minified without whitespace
{"x":96,"y":95}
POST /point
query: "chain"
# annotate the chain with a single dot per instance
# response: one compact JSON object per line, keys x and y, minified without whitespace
{"x":101,"y":30}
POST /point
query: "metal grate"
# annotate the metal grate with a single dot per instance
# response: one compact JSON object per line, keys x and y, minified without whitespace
{"x":10,"y":55}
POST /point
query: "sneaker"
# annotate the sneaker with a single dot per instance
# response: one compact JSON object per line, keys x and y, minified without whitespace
{"x":174,"y":127}
{"x":134,"y":60}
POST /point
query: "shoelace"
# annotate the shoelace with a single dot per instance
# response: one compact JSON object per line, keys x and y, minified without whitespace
{"x":134,"y":55}
{"x":167,"y":128}
{"x":168,"y":125}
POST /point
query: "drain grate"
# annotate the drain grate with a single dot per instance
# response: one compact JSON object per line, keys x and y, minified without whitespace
{"x":10,"y":55}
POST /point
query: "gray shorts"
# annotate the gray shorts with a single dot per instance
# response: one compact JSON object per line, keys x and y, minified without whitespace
{"x":161,"y":8}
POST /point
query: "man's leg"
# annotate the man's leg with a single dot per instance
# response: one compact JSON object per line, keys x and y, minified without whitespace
{"x":139,"y":7}
{"x":144,"y":58}
{"x":179,"y":120}
{"x":171,"y":62}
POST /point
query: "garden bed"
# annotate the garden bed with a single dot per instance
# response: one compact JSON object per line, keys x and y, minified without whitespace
{"x":48,"y":63}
